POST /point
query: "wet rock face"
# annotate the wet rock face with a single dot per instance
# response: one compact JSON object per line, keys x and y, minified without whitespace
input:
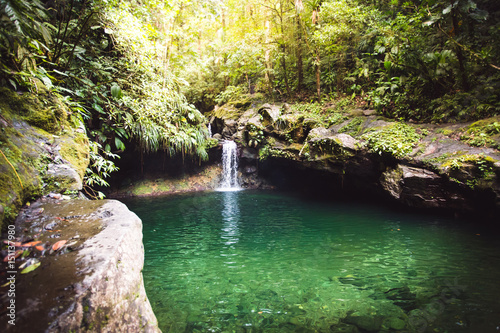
{"x":418,"y":165}
{"x":420,"y":188}
{"x":95,"y":283}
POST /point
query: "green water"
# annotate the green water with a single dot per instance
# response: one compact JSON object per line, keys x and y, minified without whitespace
{"x":267,"y":262}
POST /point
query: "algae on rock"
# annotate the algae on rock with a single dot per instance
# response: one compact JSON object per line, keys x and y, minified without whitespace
{"x":34,"y":134}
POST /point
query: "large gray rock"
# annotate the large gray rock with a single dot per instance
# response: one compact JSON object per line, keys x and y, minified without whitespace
{"x":270,"y":113}
{"x":230,"y":128}
{"x":94,"y":285}
{"x":322,"y":141}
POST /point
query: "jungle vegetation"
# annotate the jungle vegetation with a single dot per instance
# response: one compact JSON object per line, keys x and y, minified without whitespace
{"x":136,"y":73}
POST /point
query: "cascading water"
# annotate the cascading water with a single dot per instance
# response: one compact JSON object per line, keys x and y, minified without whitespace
{"x":229,"y":180}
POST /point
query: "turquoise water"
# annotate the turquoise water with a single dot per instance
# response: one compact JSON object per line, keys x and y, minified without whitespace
{"x":268,"y":262}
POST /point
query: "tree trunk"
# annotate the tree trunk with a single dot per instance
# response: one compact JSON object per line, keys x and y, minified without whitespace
{"x":318,"y":74}
{"x":269,"y":65}
{"x":285,"y":73}
{"x":300,"y":71}
{"x":460,"y":55}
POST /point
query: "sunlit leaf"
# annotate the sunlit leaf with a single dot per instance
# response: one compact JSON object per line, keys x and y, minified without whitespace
{"x":30,"y":268}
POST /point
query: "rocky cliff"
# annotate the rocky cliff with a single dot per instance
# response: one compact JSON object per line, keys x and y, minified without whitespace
{"x":69,"y":265}
{"x":40,"y":149}
{"x":446,"y":166}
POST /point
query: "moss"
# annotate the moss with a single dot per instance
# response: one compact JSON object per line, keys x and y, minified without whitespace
{"x":472,"y":170}
{"x":397,"y":139}
{"x":331,"y":147}
{"x":336,"y":118}
{"x":26,"y":159}
{"x":226,"y":112}
{"x":75,"y":150}
{"x":279,"y":153}
{"x":445,"y":131}
{"x":353,"y":127}
{"x":474,"y":159}
{"x":483,"y":133}
{"x":48,"y":113}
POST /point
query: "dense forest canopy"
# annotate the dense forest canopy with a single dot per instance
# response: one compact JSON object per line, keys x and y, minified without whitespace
{"x":137,"y":73}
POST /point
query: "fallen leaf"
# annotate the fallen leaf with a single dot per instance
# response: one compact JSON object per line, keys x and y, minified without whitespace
{"x":30,"y":268}
{"x":58,"y":245}
{"x":10,"y":243}
{"x":16,"y":254}
{"x":40,"y":247}
{"x":30,"y":244}
{"x":28,"y":263}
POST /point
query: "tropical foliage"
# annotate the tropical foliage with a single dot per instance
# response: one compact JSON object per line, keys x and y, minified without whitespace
{"x":133,"y":71}
{"x":107,"y":59}
{"x":422,"y":60}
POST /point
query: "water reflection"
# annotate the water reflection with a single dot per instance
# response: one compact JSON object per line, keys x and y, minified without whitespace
{"x":230,"y":218}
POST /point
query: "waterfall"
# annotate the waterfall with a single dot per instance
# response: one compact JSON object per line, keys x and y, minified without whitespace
{"x":229,"y":180}
{"x":209,"y":130}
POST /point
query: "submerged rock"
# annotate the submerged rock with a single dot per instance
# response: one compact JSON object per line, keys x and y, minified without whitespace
{"x":370,"y":323}
{"x":344,"y":328}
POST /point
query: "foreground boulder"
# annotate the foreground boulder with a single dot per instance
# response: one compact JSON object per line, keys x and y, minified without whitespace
{"x":89,"y":269}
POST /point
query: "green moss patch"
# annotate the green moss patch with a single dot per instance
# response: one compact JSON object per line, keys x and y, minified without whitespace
{"x":353,"y":127}
{"x":483,"y":133}
{"x":75,"y":150}
{"x":397,"y":139}
{"x":27,"y":150}
{"x":472,"y":170}
{"x":49,"y":113}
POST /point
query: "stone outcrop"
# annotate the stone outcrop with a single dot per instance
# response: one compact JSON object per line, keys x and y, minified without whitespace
{"x":94,"y":283}
{"x":421,"y":188}
{"x":422,"y":166}
{"x":41,"y":152}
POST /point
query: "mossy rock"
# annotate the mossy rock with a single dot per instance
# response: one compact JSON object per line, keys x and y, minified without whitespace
{"x":225,"y":112}
{"x":28,"y":146}
{"x":49,"y":113}
{"x":75,"y":150}
{"x":483,"y":133}
{"x":473,"y":170}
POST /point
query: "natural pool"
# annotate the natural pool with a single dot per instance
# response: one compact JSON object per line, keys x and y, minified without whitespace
{"x":268,"y":262}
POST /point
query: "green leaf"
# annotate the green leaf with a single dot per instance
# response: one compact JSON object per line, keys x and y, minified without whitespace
{"x":13,"y":83}
{"x":98,"y":108}
{"x":119,"y":144}
{"x":116,"y":91}
{"x":47,"y":82}
{"x":388,"y":65}
{"x":447,"y":10}
{"x":30,"y":268}
{"x":122,"y":133}
{"x":60,"y":73}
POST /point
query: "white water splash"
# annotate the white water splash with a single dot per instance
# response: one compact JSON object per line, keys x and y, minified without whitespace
{"x":229,"y":180}
{"x":209,"y":130}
